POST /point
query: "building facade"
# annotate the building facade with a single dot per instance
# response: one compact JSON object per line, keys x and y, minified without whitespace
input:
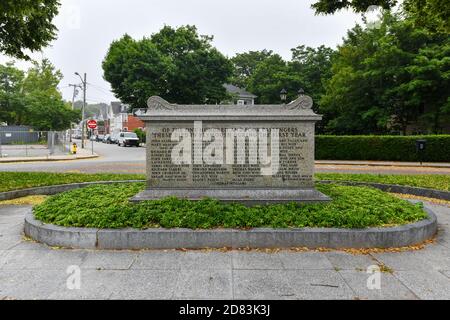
{"x":239,"y":96}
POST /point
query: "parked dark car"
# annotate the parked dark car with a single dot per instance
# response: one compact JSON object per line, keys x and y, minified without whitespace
{"x":106,"y":138}
{"x":114,"y":137}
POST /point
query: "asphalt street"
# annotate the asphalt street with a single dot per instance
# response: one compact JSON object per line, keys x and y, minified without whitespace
{"x":115,"y":159}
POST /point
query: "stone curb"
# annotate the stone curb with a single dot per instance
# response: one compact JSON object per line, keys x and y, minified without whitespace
{"x":159,"y":238}
{"x":90,"y":238}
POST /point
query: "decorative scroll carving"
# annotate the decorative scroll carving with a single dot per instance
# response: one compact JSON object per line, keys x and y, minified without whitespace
{"x":158,"y":103}
{"x":302,"y":102}
{"x":157,"y":106}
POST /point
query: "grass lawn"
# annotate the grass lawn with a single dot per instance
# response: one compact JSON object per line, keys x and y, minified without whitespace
{"x":432,"y":181}
{"x":107,"y":206}
{"x":22,"y":180}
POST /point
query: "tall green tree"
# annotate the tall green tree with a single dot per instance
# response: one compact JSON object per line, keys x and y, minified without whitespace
{"x":179,"y":65}
{"x":269,"y":78}
{"x":267,"y":74}
{"x":48,"y":112}
{"x":26,"y":25}
{"x":32,"y":98}
{"x":43,"y":77}
{"x":45,"y":108}
{"x":245,"y":65}
{"x":387,"y":78}
{"x":431,"y":14}
{"x":136,"y":70}
{"x":312,"y":68}
{"x":331,"y":6}
{"x":11,"y":97}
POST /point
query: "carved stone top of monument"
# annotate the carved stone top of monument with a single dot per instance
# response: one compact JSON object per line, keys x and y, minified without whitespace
{"x":297,"y":110}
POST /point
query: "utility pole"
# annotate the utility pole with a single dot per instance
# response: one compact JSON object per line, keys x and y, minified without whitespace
{"x":75,"y":92}
{"x":83,"y":108}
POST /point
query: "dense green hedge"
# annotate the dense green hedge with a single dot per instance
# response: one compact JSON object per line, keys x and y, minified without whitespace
{"x":388,"y":148}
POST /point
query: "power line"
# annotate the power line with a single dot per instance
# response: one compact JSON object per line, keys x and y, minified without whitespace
{"x":100,"y":88}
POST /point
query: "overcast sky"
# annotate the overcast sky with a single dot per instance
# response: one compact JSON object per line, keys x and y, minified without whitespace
{"x":87,"y":27}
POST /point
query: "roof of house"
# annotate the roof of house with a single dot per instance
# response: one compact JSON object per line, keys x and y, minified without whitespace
{"x":238,"y":91}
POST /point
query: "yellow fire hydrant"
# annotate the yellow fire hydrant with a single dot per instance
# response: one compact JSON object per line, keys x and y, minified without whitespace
{"x":73,"y":148}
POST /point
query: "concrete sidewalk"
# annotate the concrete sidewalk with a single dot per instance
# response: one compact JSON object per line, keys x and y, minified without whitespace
{"x":81,"y":154}
{"x":29,"y":270}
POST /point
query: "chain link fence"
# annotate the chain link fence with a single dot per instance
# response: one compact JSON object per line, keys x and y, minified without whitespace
{"x":16,"y":144}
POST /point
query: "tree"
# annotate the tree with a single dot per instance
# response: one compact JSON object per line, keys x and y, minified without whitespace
{"x":26,"y":25}
{"x":32,"y":98}
{"x":269,"y":78}
{"x":312,"y":68}
{"x":45,"y":108}
{"x":11,"y":98}
{"x":179,"y":65}
{"x":136,"y":70}
{"x":386,"y":78}
{"x":43,"y":77}
{"x":245,"y":65}
{"x":331,"y":6}
{"x":431,"y":14}
{"x":47,"y":112}
{"x":429,"y":85}
{"x":266,"y":74}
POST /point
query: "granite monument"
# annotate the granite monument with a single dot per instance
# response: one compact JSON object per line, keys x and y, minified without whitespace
{"x":254,"y":154}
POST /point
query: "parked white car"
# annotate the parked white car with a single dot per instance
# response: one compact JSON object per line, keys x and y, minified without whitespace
{"x":128,"y":139}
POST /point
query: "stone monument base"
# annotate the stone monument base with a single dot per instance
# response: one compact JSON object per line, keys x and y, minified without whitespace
{"x":247,"y":196}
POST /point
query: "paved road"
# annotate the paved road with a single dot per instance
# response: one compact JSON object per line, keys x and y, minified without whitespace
{"x":29,"y":270}
{"x":132,"y":160}
{"x":112,"y":158}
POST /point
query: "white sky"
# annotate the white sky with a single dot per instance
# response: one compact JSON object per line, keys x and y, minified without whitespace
{"x":87,"y":27}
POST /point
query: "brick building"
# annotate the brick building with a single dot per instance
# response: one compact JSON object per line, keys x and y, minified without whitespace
{"x":131,"y":123}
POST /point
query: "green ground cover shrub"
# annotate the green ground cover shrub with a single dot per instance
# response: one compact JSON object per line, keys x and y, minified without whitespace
{"x":107,"y":206}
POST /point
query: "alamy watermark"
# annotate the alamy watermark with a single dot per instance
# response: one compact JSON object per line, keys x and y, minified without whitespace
{"x":374,"y":280}
{"x":69,"y":16}
{"x":221,"y":148}
{"x":373,"y":17}
{"x":73,"y":281}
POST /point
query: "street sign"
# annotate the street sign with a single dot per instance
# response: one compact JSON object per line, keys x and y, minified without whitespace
{"x":92,"y":124}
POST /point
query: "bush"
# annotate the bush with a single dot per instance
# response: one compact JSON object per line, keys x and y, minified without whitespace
{"x":107,"y":206}
{"x":387,"y":148}
{"x":141,"y":134}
